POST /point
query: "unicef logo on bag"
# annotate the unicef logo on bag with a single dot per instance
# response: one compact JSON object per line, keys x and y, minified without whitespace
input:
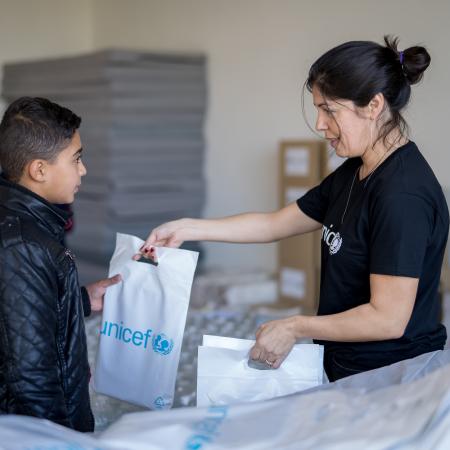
{"x":160,"y":403}
{"x":162,"y":344}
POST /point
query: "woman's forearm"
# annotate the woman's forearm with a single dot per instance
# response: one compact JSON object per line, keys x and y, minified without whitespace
{"x":360,"y":324}
{"x":385,"y":318}
{"x":251,"y":227}
{"x":242,"y":228}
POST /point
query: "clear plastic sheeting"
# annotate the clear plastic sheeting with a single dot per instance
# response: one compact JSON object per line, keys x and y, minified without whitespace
{"x":370,"y":411}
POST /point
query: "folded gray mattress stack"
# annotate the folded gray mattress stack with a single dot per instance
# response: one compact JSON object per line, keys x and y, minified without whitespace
{"x":142,"y":133}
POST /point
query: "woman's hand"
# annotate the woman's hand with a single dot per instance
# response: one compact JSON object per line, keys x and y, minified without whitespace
{"x":169,"y":234}
{"x":274,"y":341}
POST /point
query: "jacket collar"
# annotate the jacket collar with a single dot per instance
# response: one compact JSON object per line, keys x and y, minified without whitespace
{"x":27,"y":204}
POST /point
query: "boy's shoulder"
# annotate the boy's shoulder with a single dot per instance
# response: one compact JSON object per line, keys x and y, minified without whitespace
{"x":18,"y":232}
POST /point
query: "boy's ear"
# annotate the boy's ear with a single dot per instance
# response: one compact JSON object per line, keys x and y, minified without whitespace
{"x":37,"y":170}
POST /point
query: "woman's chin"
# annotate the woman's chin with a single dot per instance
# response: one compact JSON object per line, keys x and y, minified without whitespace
{"x":340,"y":151}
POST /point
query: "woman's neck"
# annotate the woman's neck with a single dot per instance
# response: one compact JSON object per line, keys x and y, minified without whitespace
{"x":374,"y":157}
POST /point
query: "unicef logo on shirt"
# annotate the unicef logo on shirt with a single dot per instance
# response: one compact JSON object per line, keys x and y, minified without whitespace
{"x":332,"y":238}
{"x":335,"y":244}
{"x":162,"y":344}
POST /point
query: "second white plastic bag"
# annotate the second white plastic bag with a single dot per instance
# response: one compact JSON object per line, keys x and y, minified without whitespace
{"x":143,"y":325}
{"x":224,"y":376}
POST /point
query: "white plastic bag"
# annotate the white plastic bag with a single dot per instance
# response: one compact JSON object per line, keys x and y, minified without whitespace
{"x":224,"y":376}
{"x":143,"y":325}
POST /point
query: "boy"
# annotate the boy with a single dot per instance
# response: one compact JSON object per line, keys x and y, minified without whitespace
{"x":44,"y":369}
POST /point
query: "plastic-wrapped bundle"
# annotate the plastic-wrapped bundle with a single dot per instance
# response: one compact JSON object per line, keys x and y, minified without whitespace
{"x":383,"y":414}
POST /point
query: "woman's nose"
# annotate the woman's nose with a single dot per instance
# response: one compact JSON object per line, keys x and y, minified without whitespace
{"x":321,"y":123}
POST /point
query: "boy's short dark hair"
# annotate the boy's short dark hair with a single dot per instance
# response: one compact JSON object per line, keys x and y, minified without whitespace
{"x":33,"y":128}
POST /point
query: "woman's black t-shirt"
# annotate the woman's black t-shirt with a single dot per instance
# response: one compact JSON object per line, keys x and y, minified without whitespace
{"x":393,"y":222}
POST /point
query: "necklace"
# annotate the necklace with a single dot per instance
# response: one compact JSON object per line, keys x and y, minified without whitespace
{"x":373,"y":170}
{"x":349,"y":194}
{"x":369,"y":175}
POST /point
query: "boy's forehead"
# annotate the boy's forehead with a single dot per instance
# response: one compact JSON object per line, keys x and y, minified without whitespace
{"x":76,"y":139}
{"x":72,"y":149}
{"x":74,"y":145}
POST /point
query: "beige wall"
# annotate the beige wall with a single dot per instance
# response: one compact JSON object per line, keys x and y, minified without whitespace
{"x":259,"y":53}
{"x":44,"y":28}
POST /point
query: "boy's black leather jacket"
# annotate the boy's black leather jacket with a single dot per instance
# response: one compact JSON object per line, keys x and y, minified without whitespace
{"x":44,"y":369}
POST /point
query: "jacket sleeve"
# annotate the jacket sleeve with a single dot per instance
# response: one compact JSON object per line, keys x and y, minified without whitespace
{"x":86,"y":302}
{"x":29,"y":346}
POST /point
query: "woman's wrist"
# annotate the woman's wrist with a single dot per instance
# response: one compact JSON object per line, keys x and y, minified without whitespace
{"x":190,"y":230}
{"x":297,"y":325}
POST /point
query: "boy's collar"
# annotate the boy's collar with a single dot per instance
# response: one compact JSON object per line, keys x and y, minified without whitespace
{"x":18,"y":198}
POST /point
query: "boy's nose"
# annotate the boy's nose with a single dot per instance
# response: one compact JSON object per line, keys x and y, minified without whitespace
{"x":83,"y":170}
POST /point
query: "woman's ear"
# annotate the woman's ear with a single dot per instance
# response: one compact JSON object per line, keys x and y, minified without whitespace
{"x":37,"y":170}
{"x":376,"y":106}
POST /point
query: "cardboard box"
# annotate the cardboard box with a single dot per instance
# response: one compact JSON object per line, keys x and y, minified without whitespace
{"x":301,"y":254}
{"x":445,"y":272}
{"x":300,"y":161}
{"x":298,"y":272}
{"x":301,"y":167}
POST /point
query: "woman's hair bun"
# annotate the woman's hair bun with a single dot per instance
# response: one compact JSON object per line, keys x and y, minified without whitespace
{"x":413,"y":60}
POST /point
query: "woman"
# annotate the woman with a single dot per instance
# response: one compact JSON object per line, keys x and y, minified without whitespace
{"x":383,"y":215}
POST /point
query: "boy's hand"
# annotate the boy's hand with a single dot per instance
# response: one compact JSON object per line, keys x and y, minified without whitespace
{"x":97,"y":291}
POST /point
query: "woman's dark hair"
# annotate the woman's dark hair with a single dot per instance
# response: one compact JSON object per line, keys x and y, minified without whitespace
{"x":358,"y":70}
{"x":33,"y":128}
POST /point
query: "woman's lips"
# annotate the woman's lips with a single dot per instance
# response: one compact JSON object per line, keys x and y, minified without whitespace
{"x":334,"y":143}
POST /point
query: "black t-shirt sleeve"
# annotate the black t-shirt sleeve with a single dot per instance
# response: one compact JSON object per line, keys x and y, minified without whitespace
{"x":401,"y":226}
{"x":315,"y":202}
